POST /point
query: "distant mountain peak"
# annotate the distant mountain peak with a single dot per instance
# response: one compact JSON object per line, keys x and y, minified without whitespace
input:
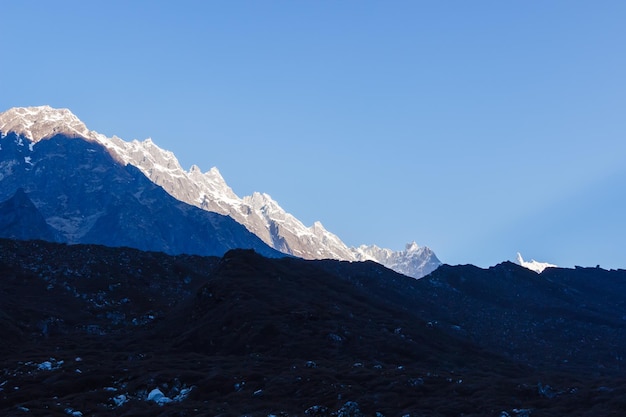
{"x":415,"y":261}
{"x":533,"y":265}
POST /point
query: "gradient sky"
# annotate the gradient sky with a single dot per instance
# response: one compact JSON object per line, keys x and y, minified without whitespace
{"x":476,"y":128}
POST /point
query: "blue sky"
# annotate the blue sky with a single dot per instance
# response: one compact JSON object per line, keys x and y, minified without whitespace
{"x":476,"y":128}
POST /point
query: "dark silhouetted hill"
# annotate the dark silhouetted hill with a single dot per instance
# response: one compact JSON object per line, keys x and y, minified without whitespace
{"x":96,"y":330}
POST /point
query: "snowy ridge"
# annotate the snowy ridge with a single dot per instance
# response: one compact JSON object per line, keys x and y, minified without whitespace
{"x":259,"y":213}
{"x":289,"y":235}
{"x":533,"y":265}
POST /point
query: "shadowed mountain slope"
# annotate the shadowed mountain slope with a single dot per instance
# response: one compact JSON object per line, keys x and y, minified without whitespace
{"x":20,"y":219}
{"x":86,"y":196}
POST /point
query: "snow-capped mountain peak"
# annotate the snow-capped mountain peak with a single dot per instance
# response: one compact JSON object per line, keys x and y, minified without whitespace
{"x":42,"y":122}
{"x":533,"y":265}
{"x":416,"y":261}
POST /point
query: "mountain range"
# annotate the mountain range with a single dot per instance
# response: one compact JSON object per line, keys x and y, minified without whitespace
{"x":39,"y":144}
{"x":119,"y":298}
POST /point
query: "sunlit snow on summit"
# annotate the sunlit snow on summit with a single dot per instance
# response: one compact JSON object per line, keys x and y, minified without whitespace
{"x":534,"y":265}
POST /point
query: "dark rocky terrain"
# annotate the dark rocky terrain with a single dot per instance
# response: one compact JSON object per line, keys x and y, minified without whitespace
{"x":90,"y":330}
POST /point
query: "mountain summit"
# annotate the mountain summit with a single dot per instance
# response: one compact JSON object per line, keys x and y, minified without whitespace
{"x":42,"y":122}
{"x":533,"y":265}
{"x":258,"y":213}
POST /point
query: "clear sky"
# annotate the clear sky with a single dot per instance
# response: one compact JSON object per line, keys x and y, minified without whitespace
{"x":477,"y":128}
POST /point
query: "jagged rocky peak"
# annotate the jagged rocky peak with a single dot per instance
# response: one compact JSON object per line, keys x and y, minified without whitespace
{"x":319,"y":230}
{"x":260,"y":200}
{"x":412,"y":247}
{"x":42,"y":122}
{"x":212,"y":176}
{"x":146,"y":151}
{"x":318,"y":226}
